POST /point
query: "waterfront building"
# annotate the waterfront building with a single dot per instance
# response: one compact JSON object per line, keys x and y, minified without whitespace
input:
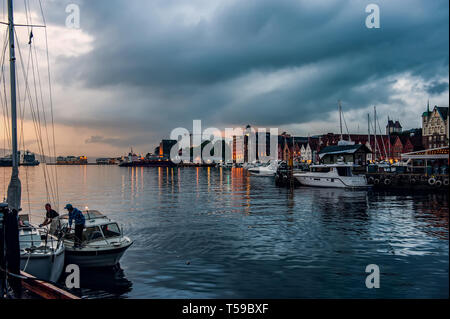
{"x":164,"y":148}
{"x":435,"y":131}
{"x":71,"y":160}
{"x":393,"y":127}
{"x":379,"y":146}
{"x":253,"y":152}
{"x":106,"y":161}
{"x":306,"y":153}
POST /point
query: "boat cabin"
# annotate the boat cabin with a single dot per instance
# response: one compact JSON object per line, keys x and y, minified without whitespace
{"x":356,"y":154}
{"x":97,"y":227}
{"x":336,"y":169}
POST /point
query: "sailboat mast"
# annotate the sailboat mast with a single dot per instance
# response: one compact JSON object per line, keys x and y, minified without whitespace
{"x":389,"y":140}
{"x":375,"y":128}
{"x":340,"y":117}
{"x":14,"y":188}
{"x":368,"y":129}
{"x":12,"y":70}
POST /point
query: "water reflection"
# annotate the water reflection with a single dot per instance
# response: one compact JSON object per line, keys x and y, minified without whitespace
{"x":105,"y":282}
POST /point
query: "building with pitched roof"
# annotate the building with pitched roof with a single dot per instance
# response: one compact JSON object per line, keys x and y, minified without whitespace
{"x":393,"y":127}
{"x":435,"y":127}
{"x":356,"y":153}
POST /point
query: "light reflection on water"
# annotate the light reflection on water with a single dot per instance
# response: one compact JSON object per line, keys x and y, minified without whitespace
{"x":214,"y":233}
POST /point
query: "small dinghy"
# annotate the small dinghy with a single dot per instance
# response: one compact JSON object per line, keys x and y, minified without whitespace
{"x":103,"y":243}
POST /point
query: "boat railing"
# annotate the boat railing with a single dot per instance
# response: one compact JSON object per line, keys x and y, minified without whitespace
{"x":44,"y":235}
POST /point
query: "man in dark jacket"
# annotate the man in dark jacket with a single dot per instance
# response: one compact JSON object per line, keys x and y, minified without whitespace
{"x":49,"y":215}
{"x":77,"y":216}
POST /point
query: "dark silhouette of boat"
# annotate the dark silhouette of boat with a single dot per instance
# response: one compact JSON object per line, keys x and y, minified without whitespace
{"x":148,"y":163}
{"x":29,"y":159}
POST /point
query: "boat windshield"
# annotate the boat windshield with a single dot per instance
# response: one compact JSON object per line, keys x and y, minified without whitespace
{"x":344,"y":171}
{"x":111,"y":230}
{"x":92,"y":233}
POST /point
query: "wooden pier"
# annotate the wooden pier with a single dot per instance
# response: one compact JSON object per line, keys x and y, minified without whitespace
{"x":44,"y":289}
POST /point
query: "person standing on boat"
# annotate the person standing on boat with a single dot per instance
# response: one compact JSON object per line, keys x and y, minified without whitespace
{"x":49,"y":215}
{"x":77,"y":216}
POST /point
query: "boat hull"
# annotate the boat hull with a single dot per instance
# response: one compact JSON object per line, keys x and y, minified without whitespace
{"x":45,"y":267}
{"x":262,"y":171}
{"x":332,"y":182}
{"x":95,"y":257}
{"x":266,"y":174}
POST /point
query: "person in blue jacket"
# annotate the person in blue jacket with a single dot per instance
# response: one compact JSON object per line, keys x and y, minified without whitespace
{"x":77,"y":216}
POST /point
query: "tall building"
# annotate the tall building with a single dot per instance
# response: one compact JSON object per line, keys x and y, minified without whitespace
{"x":393,"y":127}
{"x":435,"y":127}
{"x":164,"y":148}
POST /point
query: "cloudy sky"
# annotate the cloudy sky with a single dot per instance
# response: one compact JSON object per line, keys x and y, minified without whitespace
{"x":136,"y":69}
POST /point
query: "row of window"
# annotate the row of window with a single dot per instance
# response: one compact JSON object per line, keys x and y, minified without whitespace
{"x":435,"y":138}
{"x":431,"y":130}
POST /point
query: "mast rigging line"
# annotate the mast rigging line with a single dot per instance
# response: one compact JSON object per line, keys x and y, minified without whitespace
{"x":35,"y":113}
{"x":24,"y":25}
{"x":384,"y":147}
{"x":50,"y":100}
{"x":35,"y":99}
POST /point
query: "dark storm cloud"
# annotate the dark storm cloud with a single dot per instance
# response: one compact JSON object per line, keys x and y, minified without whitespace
{"x":437,"y":87}
{"x":182,"y":70}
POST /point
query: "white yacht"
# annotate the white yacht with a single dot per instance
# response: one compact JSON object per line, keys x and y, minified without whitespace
{"x":103,"y":243}
{"x":41,"y":254}
{"x":269,"y":169}
{"x":251,"y":165}
{"x":332,"y":175}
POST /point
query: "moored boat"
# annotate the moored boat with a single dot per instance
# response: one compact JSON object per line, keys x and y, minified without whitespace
{"x":41,"y":254}
{"x":269,"y":169}
{"x":103,"y":243}
{"x":332,"y":175}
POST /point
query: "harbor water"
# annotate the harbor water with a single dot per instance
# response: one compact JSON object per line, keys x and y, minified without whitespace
{"x":216,"y":233}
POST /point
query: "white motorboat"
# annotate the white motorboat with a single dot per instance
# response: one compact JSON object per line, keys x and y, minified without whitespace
{"x":41,"y":254}
{"x":332,"y":175}
{"x":249,"y":165}
{"x":269,"y":169}
{"x":103,"y":243}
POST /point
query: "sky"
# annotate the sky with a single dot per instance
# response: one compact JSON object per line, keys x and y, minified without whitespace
{"x":135,"y":70}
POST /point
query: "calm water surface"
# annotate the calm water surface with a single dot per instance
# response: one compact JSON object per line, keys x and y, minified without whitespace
{"x":212,"y":233}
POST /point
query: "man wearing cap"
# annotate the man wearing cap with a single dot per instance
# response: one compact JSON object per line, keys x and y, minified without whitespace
{"x":77,"y":216}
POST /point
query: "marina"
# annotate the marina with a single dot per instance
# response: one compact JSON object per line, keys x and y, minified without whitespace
{"x":184,"y":150}
{"x":240,"y":236}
